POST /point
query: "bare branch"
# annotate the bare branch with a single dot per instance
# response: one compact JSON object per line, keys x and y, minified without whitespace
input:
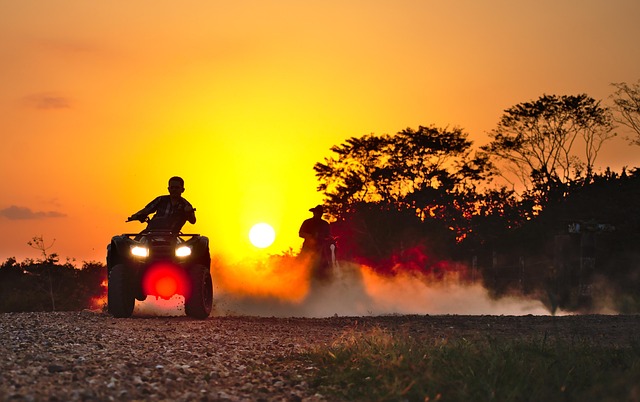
{"x":627,"y":104}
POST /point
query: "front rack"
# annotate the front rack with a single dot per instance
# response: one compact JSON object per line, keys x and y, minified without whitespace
{"x":160,"y":234}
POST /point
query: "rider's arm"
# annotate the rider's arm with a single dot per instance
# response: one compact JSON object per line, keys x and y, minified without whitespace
{"x":191,"y":213}
{"x":144,"y":212}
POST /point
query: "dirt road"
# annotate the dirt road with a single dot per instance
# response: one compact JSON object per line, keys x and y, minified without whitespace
{"x":92,"y":356}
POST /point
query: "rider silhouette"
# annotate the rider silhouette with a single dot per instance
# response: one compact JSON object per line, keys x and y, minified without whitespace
{"x":171,"y":211}
{"x":315,"y":232}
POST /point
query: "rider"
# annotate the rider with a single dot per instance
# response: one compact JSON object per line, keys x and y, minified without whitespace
{"x":171,"y":211}
{"x":315,"y":232}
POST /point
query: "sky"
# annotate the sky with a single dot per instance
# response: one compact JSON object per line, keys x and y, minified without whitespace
{"x":102,"y":102}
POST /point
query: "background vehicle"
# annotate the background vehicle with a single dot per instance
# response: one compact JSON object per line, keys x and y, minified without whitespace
{"x":159,"y":263}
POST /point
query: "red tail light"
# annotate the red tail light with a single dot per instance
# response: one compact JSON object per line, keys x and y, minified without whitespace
{"x":165,"y":280}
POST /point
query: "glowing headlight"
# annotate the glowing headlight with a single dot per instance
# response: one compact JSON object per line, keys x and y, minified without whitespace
{"x":140,"y":251}
{"x":183,"y":251}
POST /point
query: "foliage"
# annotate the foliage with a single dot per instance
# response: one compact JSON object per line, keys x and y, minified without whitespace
{"x":385,"y":366}
{"x":538,"y":139}
{"x":386,"y":239}
{"x":420,"y":169}
{"x":419,"y":181}
{"x":49,"y":286}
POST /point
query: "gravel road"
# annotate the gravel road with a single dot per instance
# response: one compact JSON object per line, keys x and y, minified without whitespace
{"x":90,"y":356}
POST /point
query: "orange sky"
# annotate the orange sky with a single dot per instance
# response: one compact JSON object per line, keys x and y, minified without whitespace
{"x":101,"y":102}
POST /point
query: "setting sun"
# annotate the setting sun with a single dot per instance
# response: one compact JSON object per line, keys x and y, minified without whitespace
{"x":262,"y":235}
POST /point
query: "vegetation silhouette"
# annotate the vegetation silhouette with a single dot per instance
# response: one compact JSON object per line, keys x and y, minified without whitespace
{"x":422,"y":200}
{"x":551,"y":140}
{"x":626,"y":101}
{"x":47,"y":285}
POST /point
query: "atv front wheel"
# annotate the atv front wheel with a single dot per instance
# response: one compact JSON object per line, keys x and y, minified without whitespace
{"x":120,"y":299}
{"x":199,"y":302}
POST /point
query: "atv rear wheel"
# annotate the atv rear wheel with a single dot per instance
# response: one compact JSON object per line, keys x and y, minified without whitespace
{"x":199,"y":302}
{"x":120,"y":299}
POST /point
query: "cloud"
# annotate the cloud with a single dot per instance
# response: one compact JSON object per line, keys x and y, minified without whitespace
{"x":22,"y":213}
{"x":48,"y":101}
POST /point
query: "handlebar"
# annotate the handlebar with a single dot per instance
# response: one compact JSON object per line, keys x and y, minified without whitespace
{"x":146,"y":218}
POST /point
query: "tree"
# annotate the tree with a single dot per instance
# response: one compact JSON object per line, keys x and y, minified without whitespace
{"x":537,"y":140}
{"x":38,"y":243}
{"x":413,"y":169}
{"x":350,"y":177}
{"x":627,"y":103}
{"x":48,"y":259}
{"x":392,"y":193}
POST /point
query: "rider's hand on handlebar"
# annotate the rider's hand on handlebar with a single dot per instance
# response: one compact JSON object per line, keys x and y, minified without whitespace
{"x":135,"y":217}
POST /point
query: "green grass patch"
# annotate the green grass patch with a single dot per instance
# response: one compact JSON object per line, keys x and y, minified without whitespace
{"x":381,"y":366}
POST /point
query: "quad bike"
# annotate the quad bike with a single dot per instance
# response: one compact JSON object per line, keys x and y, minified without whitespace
{"x":159,"y":263}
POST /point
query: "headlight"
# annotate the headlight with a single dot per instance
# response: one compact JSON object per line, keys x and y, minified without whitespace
{"x":140,"y":251}
{"x":183,"y":251}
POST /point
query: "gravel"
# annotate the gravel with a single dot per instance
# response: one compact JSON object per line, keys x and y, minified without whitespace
{"x":90,"y":356}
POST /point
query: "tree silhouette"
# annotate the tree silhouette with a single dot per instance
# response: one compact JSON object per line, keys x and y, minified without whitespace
{"x":627,"y":104}
{"x":393,"y":193}
{"x":23,"y":285}
{"x":48,"y":261}
{"x":537,"y":140}
{"x":38,"y":243}
{"x":414,"y":169}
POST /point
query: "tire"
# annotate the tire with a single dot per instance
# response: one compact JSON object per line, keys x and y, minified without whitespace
{"x":199,"y":302}
{"x":120,"y":299}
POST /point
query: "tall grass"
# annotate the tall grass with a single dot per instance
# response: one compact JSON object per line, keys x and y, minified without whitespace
{"x":380,"y":366}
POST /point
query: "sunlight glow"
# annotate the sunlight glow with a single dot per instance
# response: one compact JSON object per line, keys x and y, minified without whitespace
{"x":262,"y":235}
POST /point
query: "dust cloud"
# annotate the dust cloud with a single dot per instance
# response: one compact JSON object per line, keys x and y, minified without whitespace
{"x":284,"y":287}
